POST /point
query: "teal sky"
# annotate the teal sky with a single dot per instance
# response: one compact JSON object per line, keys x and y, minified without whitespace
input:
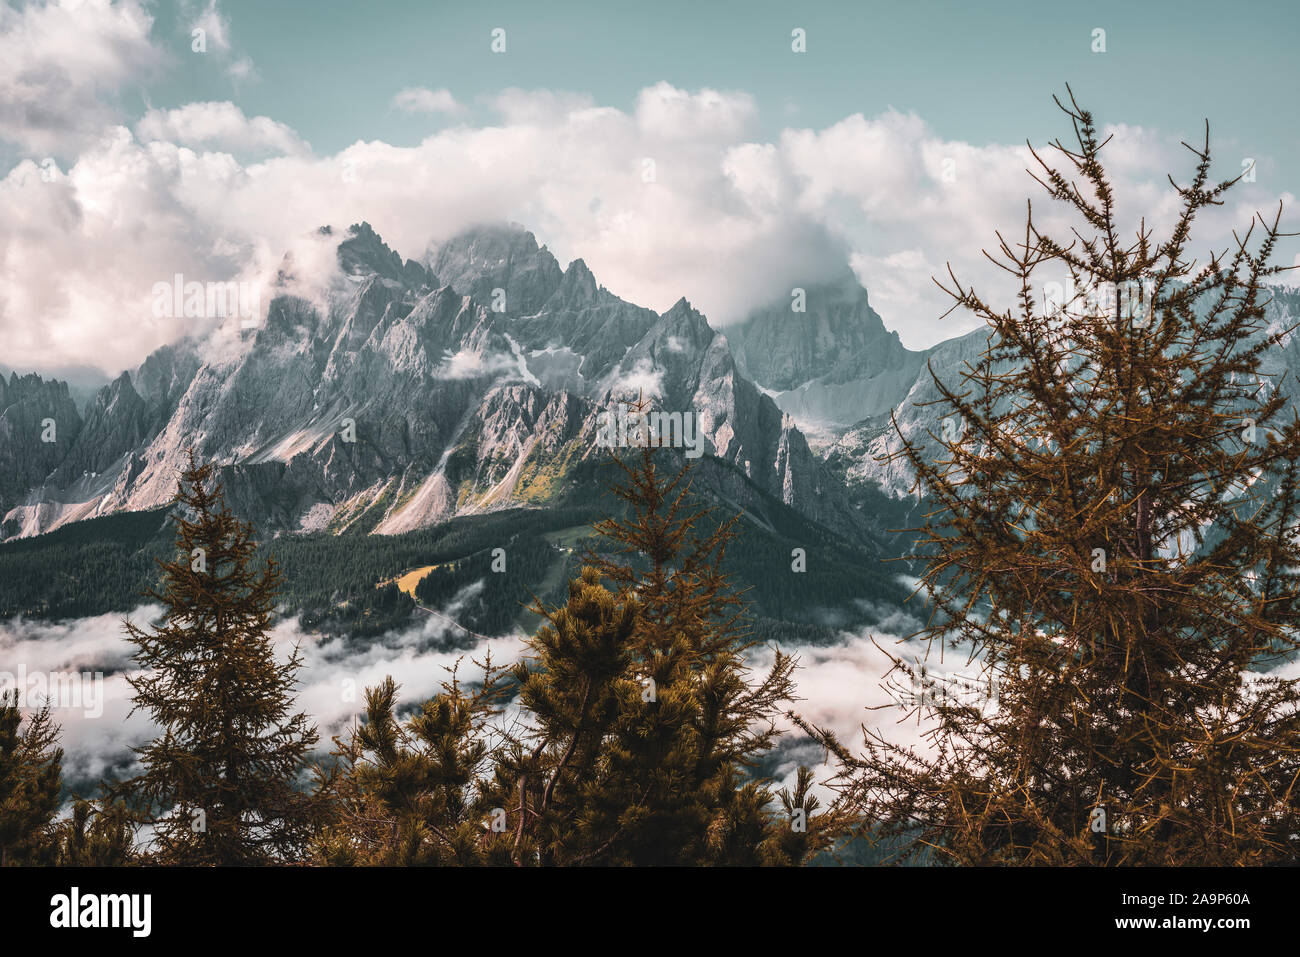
{"x":979,"y":72}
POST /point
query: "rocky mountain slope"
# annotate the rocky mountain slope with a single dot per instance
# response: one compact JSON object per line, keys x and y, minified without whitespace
{"x":859,"y":453}
{"x":403,"y":395}
{"x":839,"y":373}
{"x":410,"y":392}
{"x":830,"y":363}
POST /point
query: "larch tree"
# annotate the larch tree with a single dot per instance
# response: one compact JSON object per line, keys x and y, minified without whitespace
{"x":220,"y":784}
{"x":1113,"y":541}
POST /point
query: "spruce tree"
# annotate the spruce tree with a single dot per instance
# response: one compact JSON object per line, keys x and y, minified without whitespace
{"x":219,"y":784}
{"x":1113,"y":540}
{"x":31,"y":769}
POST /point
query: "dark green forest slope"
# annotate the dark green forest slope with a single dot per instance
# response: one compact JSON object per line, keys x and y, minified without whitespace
{"x":333,"y":582}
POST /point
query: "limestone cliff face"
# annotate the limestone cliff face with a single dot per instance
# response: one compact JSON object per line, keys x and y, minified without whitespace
{"x":39,"y":425}
{"x":830,"y":365}
{"x":410,"y":393}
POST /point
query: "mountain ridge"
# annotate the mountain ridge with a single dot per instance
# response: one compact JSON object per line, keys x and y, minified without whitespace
{"x":468,"y":382}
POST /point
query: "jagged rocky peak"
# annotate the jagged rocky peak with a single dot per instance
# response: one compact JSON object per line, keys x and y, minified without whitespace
{"x":32,"y":393}
{"x":825,"y":355}
{"x":38,"y":424}
{"x":578,"y":285}
{"x":683,"y":312}
{"x":667,"y":359}
{"x":116,"y":421}
{"x":362,"y":253}
{"x":826,"y":331}
{"x":168,"y":371}
{"x":581,"y":332}
{"x":499,"y":256}
{"x":431,"y":376}
{"x":683,"y":330}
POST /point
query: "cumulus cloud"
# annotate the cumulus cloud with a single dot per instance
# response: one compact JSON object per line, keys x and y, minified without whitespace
{"x":418,"y":99}
{"x":670,"y":114}
{"x":219,"y":126}
{"x":538,"y":107}
{"x":85,"y":248}
{"x":671,"y":198}
{"x":56,"y":59}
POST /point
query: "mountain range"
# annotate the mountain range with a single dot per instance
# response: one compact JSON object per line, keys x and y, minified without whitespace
{"x":411,"y":392}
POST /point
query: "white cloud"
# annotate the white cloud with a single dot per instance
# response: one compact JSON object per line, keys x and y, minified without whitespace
{"x":56,"y":59}
{"x":220,"y":126}
{"x":670,"y":114}
{"x":418,"y":99}
{"x":842,"y":687}
{"x":837,"y":683}
{"x":539,"y":107}
{"x":93,"y":742}
{"x":899,"y":279}
{"x":667,"y":200}
{"x":469,"y":364}
{"x":332,"y":681}
{"x":642,"y":381}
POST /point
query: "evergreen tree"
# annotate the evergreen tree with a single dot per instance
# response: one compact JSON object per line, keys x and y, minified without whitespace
{"x":406,"y":793}
{"x":648,"y":721}
{"x":95,"y":835}
{"x":1114,"y":538}
{"x":31,"y":769}
{"x":637,"y":729}
{"x":573,"y":692}
{"x":219,"y":785}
